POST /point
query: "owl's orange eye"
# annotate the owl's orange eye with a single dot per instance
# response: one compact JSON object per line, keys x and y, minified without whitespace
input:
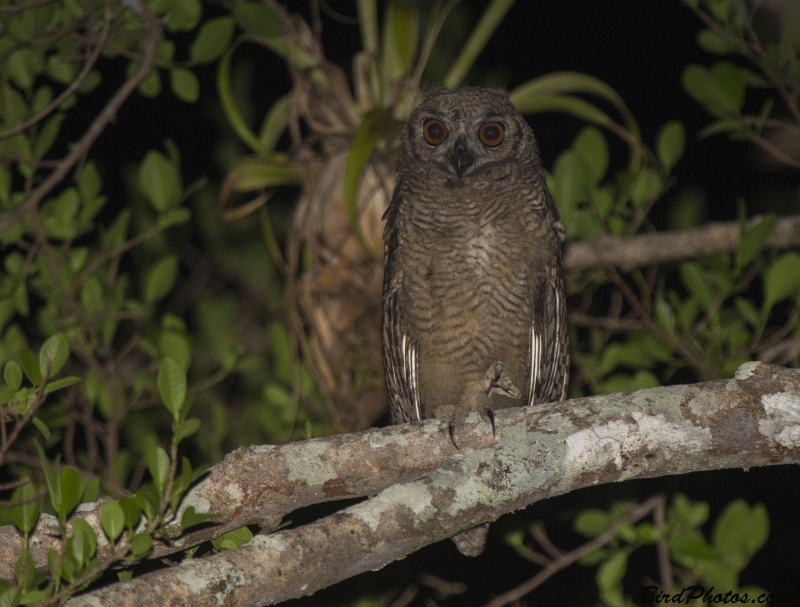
{"x":434,"y":131}
{"x":492,"y":134}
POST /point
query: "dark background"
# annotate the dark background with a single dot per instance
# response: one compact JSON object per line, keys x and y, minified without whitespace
{"x":638,"y":47}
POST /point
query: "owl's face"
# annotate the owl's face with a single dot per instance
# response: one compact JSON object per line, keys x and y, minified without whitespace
{"x":465,"y":131}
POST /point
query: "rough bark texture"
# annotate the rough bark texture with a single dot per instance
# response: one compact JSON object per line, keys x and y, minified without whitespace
{"x":648,"y":249}
{"x":752,"y":420}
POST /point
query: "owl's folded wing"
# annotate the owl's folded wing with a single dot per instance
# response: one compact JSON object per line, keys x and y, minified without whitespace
{"x":400,"y":359}
{"x":549,"y":350}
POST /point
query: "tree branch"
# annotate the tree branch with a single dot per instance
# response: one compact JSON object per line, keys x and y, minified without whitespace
{"x":630,"y":252}
{"x":752,"y":420}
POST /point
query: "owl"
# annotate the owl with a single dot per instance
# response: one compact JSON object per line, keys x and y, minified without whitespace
{"x":473,"y":308}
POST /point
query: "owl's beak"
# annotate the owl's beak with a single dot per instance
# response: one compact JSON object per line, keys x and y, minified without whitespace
{"x":461,"y":158}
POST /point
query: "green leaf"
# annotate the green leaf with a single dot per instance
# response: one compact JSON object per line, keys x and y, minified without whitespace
{"x":591,"y":145}
{"x":645,"y":186}
{"x":212,"y":40}
{"x":752,"y":241}
{"x":172,"y":386}
{"x":141,"y":544}
{"x":783,"y":279}
{"x":89,"y":183}
{"x":372,"y":128}
{"x":158,"y":464}
{"x":697,"y":282}
{"x":50,"y":477}
{"x":70,"y":490}
{"x":693,"y":546}
{"x":186,"y":428}
{"x":10,"y":597}
{"x":190,"y":518}
{"x":647,"y":533}
{"x":116,"y":233}
{"x":61,"y":383}
{"x":91,"y":491}
{"x":175,"y":345}
{"x":184,"y":15}
{"x":702,"y":85}
{"x":740,"y":529}
{"x":159,"y":181}
{"x":610,"y":573}
{"x":255,"y":18}
{"x":112,"y":517}
{"x":42,"y":427}
{"x":160,"y":279}
{"x":670,"y":143}
{"x":275,"y":122}
{"x":551,"y":92}
{"x":30,"y":364}
{"x":26,"y":515}
{"x":592,"y":522}
{"x":748,"y":312}
{"x":711,"y":42}
{"x":730,"y":78}
{"x":400,"y":40}
{"x":84,"y":541}
{"x":251,"y":173}
{"x":232,"y":539}
{"x":572,"y":180}
{"x":53,"y":355}
{"x":132,"y":511}
{"x":34,"y":597}
{"x":12,"y":374}
{"x":184,"y":84}
{"x":480,"y":35}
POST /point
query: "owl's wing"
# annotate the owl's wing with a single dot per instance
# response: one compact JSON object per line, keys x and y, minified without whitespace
{"x":400,"y":350}
{"x":549,"y":343}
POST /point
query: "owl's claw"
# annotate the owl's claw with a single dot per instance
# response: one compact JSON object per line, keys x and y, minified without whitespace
{"x":451,"y":429}
{"x":490,"y":415}
{"x":495,"y":379}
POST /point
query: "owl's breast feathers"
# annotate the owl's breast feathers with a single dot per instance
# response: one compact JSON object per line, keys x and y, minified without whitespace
{"x":468,"y":284}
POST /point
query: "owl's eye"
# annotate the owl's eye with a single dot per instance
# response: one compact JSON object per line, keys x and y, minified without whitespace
{"x":491,"y":134}
{"x":434,"y":131}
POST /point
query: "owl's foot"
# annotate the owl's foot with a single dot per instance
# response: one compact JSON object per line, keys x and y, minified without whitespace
{"x":451,"y":429}
{"x":496,"y":379}
{"x":488,"y":415}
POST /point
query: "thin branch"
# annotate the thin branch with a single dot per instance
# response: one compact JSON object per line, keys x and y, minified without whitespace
{"x":74,"y":86}
{"x":629,"y":252}
{"x":153,"y":35}
{"x":565,"y":560}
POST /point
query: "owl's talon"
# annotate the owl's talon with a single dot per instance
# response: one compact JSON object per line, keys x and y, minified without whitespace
{"x":451,"y":429}
{"x":496,"y":380}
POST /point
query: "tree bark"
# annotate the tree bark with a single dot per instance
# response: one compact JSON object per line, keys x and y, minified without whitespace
{"x":751,"y":420}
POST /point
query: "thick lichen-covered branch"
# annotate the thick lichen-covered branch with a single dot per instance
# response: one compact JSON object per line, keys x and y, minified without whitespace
{"x":751,"y":420}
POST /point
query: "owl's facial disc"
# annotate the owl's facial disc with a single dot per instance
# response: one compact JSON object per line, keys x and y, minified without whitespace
{"x":461,"y":157}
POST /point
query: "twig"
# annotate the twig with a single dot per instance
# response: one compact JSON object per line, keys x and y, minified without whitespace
{"x":664,"y":562}
{"x":153,"y":36}
{"x":101,"y":42}
{"x":568,"y":558}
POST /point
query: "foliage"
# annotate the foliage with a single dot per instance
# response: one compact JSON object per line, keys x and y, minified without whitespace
{"x":690,"y":560}
{"x":120,"y":318}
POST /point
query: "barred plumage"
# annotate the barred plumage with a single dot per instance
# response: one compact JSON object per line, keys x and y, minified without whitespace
{"x":474,"y":315}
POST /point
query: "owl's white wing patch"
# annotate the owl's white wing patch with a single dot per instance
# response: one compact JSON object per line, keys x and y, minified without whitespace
{"x":400,"y":359}
{"x":548,"y":351}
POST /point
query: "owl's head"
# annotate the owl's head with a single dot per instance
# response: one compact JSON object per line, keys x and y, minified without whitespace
{"x":464,"y":131}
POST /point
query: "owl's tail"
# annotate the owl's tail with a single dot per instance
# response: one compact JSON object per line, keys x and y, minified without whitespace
{"x":472,"y":541}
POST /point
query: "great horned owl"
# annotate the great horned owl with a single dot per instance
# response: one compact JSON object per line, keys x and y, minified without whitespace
{"x":474,"y":317}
